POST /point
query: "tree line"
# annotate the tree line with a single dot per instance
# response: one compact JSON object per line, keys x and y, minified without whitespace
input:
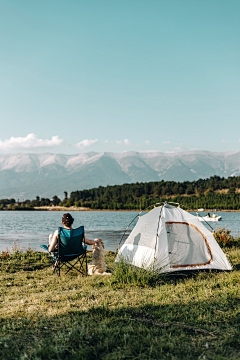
{"x":214,"y":192}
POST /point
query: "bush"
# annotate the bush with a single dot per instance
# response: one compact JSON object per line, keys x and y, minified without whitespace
{"x":225,"y":239}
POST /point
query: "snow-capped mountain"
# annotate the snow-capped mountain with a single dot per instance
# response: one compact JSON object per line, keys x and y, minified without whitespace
{"x":29,"y":175}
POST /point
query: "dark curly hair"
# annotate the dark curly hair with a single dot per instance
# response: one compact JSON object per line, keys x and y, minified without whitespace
{"x":67,"y":220}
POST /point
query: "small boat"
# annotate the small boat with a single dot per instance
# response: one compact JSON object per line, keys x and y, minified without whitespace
{"x":209,"y":218}
{"x":201,"y":209}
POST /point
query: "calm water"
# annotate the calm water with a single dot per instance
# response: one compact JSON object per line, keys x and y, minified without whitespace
{"x":33,"y":227}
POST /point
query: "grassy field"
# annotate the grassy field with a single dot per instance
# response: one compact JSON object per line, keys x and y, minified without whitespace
{"x":118,"y":317}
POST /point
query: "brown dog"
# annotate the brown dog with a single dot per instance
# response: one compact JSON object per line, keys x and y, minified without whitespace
{"x":98,"y":266}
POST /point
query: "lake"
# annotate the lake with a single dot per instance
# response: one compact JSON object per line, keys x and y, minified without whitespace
{"x":31,"y":228}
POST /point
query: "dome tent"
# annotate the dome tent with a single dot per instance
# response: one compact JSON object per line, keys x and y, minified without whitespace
{"x":171,"y":239}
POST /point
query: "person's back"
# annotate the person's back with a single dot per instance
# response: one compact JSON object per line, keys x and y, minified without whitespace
{"x":67,"y":221}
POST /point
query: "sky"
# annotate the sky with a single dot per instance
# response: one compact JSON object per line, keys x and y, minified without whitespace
{"x":141,"y":75}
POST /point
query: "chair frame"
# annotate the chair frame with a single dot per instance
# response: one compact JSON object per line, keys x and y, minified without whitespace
{"x":58,"y":263}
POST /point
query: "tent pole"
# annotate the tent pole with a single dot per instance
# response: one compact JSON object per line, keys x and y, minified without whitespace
{"x":157,"y":232}
{"x":171,"y":202}
{"x":162,"y":203}
{"x":134,"y":219}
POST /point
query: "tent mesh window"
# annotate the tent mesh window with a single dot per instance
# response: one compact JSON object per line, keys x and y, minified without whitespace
{"x":187,"y":245}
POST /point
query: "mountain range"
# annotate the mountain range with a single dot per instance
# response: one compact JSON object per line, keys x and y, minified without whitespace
{"x":24,"y":176}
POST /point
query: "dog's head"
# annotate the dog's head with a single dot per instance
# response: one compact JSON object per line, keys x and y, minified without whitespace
{"x":98,"y":245}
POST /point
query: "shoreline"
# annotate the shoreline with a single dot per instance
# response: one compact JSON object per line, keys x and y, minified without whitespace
{"x":74,"y":208}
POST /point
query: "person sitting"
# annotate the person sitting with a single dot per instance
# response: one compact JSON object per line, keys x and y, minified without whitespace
{"x":67,"y":221}
{"x":214,"y":215}
{"x":208,"y":215}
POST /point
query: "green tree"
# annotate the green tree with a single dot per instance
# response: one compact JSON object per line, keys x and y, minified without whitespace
{"x":56,"y":201}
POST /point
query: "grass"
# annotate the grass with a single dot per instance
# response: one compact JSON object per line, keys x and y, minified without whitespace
{"x":46,"y":317}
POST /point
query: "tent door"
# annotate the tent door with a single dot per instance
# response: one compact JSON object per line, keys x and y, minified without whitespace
{"x":187,"y":245}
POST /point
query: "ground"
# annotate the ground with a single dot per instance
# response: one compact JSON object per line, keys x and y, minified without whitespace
{"x":43,"y":316}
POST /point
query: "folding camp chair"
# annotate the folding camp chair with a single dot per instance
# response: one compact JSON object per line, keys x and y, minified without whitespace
{"x":71,"y":246}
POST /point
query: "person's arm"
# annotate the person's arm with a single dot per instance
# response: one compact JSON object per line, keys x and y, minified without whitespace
{"x":54,"y":241}
{"x":92,"y":242}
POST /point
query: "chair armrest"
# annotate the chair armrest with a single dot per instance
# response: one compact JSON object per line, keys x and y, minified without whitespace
{"x":45,"y":247}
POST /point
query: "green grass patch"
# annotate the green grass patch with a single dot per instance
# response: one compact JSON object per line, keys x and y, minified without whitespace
{"x":124,"y":273}
{"x":126,"y":316}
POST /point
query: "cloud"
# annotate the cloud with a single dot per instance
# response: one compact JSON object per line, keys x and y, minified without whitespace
{"x":225,"y":141}
{"x":147,"y":142}
{"x":86,"y":143}
{"x":108,"y":141}
{"x":124,"y":142}
{"x":29,"y":142}
{"x":166,"y":142}
{"x":177,"y":149}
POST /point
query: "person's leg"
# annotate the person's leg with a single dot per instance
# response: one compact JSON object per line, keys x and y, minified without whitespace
{"x":50,"y":238}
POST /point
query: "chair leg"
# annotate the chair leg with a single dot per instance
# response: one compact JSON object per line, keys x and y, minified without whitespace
{"x":82,"y":267}
{"x":53,"y":262}
{"x":69,"y":266}
{"x":56,"y":267}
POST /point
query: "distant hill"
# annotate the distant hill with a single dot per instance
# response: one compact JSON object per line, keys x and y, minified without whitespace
{"x":215,"y":192}
{"x":27,"y":175}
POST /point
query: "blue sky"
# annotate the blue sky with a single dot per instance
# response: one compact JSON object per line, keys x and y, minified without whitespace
{"x":81,"y":76}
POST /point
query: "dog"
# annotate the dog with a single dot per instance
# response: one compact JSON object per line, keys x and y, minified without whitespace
{"x":98,"y":266}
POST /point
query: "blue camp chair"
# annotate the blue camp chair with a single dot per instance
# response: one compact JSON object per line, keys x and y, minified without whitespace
{"x":71,"y":246}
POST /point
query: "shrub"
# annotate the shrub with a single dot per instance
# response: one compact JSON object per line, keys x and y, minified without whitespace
{"x":5,"y":254}
{"x":225,"y":239}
